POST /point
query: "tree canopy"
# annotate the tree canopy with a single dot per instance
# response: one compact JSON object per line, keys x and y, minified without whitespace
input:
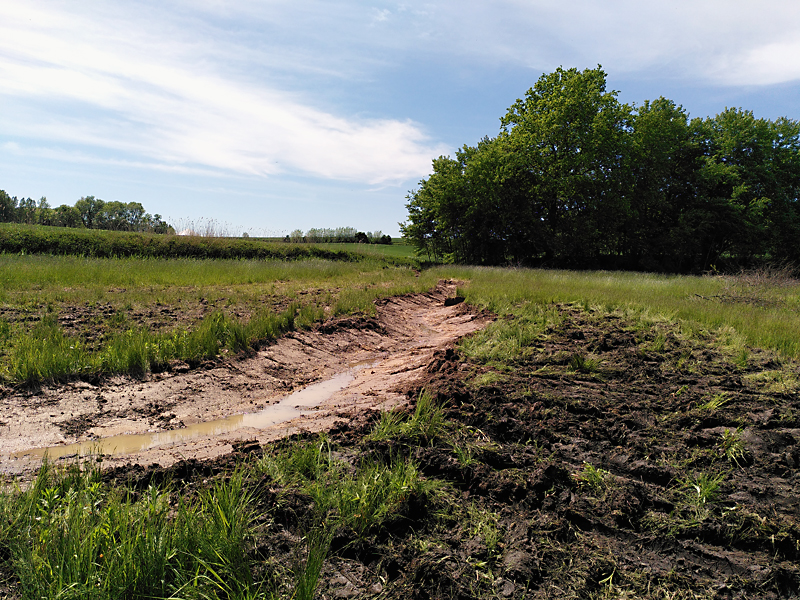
{"x":89,"y":212}
{"x":575,"y":178}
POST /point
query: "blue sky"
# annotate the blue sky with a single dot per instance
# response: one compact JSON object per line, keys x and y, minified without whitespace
{"x":270,"y":115}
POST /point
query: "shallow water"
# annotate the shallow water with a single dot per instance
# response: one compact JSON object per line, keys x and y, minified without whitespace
{"x":286,"y":409}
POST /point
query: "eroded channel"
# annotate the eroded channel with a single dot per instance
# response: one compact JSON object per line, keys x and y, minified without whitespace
{"x":286,"y":409}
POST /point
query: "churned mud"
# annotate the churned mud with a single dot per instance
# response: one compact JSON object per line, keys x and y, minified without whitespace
{"x":613,"y":460}
{"x":367,"y":363}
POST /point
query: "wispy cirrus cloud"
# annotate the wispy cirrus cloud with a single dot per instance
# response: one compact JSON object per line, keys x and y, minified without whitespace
{"x":111,"y":82}
{"x":268,"y":87}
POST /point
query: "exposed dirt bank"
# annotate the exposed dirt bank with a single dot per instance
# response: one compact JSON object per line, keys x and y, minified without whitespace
{"x":382,"y":355}
{"x":614,"y":461}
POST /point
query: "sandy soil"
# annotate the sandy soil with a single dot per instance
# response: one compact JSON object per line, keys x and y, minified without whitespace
{"x":375,"y":359}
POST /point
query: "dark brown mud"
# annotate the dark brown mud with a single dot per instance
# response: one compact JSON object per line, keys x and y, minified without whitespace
{"x":618,"y":461}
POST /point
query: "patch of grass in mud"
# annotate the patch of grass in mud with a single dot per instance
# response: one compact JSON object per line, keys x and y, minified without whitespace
{"x":67,"y":317}
{"x":670,"y":453}
{"x":761,"y":314}
{"x":69,"y":535}
{"x":577,"y":448}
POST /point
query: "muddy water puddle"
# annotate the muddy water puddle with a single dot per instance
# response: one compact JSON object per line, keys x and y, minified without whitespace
{"x":287,"y":408}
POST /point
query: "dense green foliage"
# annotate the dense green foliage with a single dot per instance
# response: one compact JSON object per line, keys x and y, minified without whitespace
{"x":339,"y":235}
{"x":33,"y":239}
{"x":577,"y":179}
{"x":88,"y":212}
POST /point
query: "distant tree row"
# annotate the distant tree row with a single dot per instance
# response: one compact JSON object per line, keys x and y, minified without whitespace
{"x":338,"y":235}
{"x":577,"y":179}
{"x":89,"y":212}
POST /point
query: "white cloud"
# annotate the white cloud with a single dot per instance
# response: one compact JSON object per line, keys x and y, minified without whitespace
{"x":775,"y":62}
{"x":112,"y":82}
{"x":244,"y":86}
{"x":730,"y":42}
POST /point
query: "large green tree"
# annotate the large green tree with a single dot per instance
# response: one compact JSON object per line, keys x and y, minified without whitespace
{"x":576,"y":178}
{"x":569,"y":134}
{"x":664,"y":157}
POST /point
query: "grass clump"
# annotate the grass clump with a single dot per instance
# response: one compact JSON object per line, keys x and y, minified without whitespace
{"x":732,"y":447}
{"x":714,"y":402}
{"x":699,"y":492}
{"x":425,"y":425}
{"x":46,"y":354}
{"x":362,"y":498}
{"x":510,"y":339}
{"x":71,"y":536}
{"x":584,"y":363}
{"x":593,"y":478}
{"x":775,"y":381}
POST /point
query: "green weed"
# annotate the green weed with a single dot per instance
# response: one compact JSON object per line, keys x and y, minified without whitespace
{"x":714,"y":402}
{"x":582,"y":363}
{"x":700,"y":492}
{"x":593,"y":478}
{"x":484,"y":524}
{"x":426,"y":423}
{"x":779,"y":381}
{"x":376,"y":493}
{"x":488,"y":379}
{"x":306,"y":572}
{"x":733,"y":447}
{"x":46,"y":354}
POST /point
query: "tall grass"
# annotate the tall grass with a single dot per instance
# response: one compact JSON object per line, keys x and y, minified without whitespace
{"x":113,"y":289}
{"x":46,"y":354}
{"x":42,"y":279}
{"x":700,"y":303}
{"x":71,"y":536}
{"x":360,"y":498}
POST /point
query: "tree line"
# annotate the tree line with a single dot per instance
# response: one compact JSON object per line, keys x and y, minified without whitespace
{"x":338,"y":235}
{"x":577,"y":179}
{"x":89,"y":213}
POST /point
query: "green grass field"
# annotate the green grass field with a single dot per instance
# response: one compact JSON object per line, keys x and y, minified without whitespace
{"x":236,"y":304}
{"x":70,"y":535}
{"x":397,"y":249}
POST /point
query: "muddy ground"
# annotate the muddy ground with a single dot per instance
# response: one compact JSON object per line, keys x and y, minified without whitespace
{"x":615,"y":462}
{"x":382,"y":355}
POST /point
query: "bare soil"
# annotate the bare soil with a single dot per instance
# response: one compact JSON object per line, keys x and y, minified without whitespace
{"x":383,"y":353}
{"x":588,"y":472}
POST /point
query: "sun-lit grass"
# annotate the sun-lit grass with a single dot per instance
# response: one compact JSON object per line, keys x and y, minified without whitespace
{"x":234,"y":304}
{"x":213,"y":306}
{"x":71,"y":536}
{"x":701,"y":304}
{"x":396,"y":249}
{"x":39,"y":280}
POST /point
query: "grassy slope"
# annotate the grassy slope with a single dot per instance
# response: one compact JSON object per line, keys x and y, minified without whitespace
{"x":140,"y":314}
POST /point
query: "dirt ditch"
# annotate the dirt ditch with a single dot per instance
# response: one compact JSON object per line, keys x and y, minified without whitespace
{"x":613,"y":461}
{"x":381,"y":355}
